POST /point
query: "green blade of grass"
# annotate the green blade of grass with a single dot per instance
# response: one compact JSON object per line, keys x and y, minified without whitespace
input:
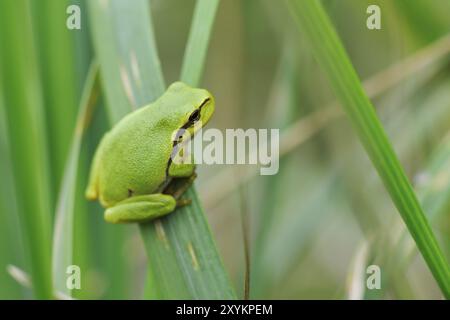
{"x":332,"y":57}
{"x":126,"y":51}
{"x":63,"y":231}
{"x":55,"y":46}
{"x":197,"y":44}
{"x":434,"y":194}
{"x":26,"y":132}
{"x":10,"y":241}
{"x":183,"y":259}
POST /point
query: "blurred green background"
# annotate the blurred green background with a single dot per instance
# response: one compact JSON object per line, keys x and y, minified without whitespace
{"x":313,"y":227}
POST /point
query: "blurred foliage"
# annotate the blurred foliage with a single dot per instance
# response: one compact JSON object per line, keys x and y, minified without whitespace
{"x":308,"y":223}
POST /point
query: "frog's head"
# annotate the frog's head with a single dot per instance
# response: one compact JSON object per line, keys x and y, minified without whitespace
{"x":194,"y":107}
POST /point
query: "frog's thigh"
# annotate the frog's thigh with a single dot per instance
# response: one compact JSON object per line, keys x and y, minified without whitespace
{"x":181,"y":170}
{"x":141,"y":208}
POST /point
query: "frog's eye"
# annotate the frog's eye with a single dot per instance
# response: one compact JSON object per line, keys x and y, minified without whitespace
{"x":195,"y":116}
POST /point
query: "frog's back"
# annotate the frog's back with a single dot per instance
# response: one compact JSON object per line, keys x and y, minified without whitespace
{"x":134,"y":156}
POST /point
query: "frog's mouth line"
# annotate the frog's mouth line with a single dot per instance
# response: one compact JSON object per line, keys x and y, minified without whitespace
{"x":180,"y":132}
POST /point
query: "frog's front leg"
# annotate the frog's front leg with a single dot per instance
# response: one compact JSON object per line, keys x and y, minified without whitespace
{"x":181,"y":170}
{"x":182,"y":164}
{"x":141,"y":208}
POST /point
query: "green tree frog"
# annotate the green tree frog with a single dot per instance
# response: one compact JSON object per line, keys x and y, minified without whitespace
{"x":133,"y":174}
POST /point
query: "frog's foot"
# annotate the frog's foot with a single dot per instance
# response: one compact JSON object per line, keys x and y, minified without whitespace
{"x":183,"y":202}
{"x":141,"y":208}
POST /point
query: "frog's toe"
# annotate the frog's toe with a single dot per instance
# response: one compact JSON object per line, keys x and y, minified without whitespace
{"x":183,"y":202}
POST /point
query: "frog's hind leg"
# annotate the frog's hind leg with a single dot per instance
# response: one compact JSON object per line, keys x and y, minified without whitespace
{"x":141,"y":208}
